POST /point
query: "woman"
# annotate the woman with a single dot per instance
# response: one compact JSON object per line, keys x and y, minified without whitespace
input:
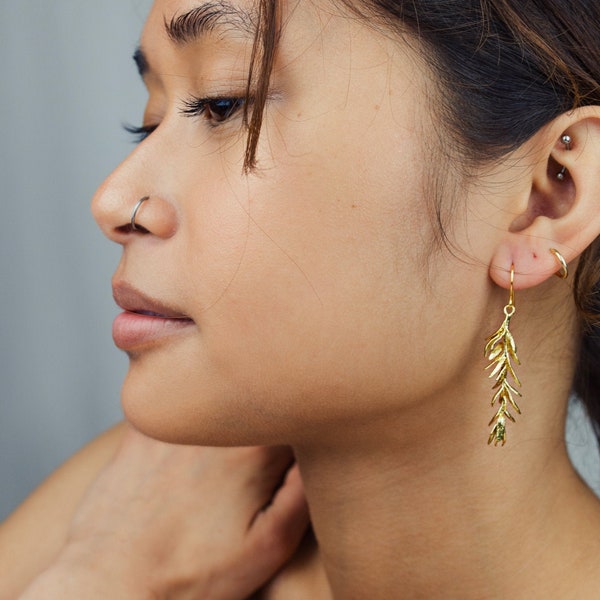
{"x":413,"y":176}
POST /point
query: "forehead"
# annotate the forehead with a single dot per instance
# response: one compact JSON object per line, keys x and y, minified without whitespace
{"x":232,"y":15}
{"x":312,"y":33}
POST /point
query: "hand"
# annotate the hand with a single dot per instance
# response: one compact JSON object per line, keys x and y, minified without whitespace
{"x":181,"y":522}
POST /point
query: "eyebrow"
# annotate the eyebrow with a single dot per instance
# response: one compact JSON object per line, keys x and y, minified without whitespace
{"x":209,"y":17}
{"x":201,"y":20}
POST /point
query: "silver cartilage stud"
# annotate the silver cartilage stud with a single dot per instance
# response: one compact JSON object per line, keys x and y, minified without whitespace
{"x":566,"y":140}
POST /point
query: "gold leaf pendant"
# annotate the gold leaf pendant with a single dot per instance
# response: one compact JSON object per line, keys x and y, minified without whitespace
{"x":501,"y":351}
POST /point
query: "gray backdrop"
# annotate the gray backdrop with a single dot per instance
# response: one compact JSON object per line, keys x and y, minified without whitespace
{"x":67,"y":82}
{"x":66,"y":85}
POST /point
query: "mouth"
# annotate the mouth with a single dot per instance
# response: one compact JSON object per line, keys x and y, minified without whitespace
{"x":144,"y":320}
{"x":147,"y":313}
{"x":132,"y":300}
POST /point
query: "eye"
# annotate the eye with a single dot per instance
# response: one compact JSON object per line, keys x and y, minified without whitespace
{"x":214,"y":110}
{"x":140,"y":133}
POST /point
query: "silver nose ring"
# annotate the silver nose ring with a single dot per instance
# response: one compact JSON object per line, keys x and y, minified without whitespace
{"x":134,"y":213}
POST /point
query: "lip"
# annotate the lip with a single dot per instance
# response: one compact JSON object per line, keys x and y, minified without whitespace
{"x":144,"y":320}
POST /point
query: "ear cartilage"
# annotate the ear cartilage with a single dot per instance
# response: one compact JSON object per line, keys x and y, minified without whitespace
{"x":566,"y":140}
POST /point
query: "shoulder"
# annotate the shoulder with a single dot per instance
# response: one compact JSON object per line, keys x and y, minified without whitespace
{"x":33,"y":534}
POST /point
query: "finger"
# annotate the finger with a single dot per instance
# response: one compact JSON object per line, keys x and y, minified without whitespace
{"x":276,"y":460}
{"x":289,"y":500}
{"x":277,"y":530}
{"x":265,"y":474}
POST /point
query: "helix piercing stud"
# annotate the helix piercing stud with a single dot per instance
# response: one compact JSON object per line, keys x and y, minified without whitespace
{"x":566,"y":140}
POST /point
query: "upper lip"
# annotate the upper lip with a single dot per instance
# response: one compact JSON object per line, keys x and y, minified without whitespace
{"x":132,"y":300}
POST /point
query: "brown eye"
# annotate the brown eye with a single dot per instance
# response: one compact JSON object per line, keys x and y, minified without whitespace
{"x":221,"y":109}
{"x":214,"y":110}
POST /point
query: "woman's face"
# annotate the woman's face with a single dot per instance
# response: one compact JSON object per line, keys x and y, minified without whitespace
{"x":309,"y":295}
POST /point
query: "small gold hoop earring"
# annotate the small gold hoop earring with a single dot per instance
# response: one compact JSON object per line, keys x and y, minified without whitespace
{"x":563,"y":272}
{"x":501,"y":351}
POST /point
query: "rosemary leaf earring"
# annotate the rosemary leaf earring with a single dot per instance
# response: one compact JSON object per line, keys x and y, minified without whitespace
{"x":501,"y":351}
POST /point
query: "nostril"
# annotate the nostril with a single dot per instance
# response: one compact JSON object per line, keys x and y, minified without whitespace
{"x":120,"y":218}
{"x":129,"y":228}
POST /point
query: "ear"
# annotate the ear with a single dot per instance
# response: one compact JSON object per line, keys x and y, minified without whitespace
{"x":562,"y":210}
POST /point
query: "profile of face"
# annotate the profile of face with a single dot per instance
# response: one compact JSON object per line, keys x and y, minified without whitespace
{"x":267,"y":306}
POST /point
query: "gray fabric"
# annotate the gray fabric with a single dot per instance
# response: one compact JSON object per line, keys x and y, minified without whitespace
{"x":67,"y":82}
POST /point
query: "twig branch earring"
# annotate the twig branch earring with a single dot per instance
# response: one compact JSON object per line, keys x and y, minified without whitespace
{"x":566,"y":140}
{"x":501,"y":351}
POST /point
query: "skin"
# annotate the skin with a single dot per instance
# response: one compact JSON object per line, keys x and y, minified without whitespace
{"x":34,"y":534}
{"x":131,"y":517}
{"x":222,"y":232}
{"x":325,"y":317}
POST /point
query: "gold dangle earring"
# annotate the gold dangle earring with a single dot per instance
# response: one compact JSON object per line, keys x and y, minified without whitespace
{"x":501,"y":351}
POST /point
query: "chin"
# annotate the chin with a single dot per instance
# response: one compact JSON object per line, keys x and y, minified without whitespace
{"x":157,"y":409}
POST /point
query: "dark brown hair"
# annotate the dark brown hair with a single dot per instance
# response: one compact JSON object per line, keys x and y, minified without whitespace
{"x":506,"y":68}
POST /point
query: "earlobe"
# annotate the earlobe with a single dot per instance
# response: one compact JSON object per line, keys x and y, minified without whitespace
{"x":562,"y":217}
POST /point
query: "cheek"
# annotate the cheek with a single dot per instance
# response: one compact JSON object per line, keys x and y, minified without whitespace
{"x":310,"y":303}
{"x":314,"y":308}
{"x":303,"y":281}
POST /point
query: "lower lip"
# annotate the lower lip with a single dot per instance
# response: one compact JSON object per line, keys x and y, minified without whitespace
{"x":132,"y":330}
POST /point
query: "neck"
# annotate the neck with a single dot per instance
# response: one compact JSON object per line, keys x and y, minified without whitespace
{"x":451,"y":519}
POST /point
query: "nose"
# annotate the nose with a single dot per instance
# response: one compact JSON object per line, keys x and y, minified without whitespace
{"x":130,"y":204}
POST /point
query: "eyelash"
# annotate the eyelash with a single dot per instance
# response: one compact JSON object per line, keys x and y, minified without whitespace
{"x":216,"y":111}
{"x":139,"y":133}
